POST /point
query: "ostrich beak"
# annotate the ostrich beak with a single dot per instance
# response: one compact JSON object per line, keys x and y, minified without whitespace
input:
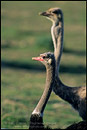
{"x":38,"y":58}
{"x":44,"y":13}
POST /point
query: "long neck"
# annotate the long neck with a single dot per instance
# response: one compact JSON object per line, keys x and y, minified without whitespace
{"x":50,"y":75}
{"x":57,"y":36}
{"x":69,"y":94}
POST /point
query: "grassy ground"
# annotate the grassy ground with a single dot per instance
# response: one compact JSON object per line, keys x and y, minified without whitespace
{"x":25,"y":34}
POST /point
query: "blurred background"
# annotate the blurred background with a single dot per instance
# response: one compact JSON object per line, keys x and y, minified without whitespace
{"x":25,"y":34}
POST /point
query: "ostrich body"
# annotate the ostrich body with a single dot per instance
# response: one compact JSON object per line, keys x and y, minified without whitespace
{"x":76,"y":96}
{"x":36,"y":120}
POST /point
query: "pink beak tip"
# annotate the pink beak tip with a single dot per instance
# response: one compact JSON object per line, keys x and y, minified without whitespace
{"x":37,"y":58}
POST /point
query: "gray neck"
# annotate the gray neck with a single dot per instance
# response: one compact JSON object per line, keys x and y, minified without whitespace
{"x":69,"y":94}
{"x":57,"y":35}
{"x":50,"y":75}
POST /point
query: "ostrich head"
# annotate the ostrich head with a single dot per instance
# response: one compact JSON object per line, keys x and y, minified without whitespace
{"x":53,"y":14}
{"x":46,"y":58}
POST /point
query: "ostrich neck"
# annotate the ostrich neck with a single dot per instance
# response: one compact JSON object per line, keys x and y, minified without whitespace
{"x":57,"y":36}
{"x":50,"y":75}
{"x":69,"y":94}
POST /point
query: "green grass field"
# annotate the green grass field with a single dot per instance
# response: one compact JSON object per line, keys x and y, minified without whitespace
{"x":25,"y":34}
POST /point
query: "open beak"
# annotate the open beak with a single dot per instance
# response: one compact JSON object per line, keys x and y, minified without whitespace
{"x":44,"y":13}
{"x":38,"y":58}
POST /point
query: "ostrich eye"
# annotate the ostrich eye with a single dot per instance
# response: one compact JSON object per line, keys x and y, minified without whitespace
{"x":55,"y":12}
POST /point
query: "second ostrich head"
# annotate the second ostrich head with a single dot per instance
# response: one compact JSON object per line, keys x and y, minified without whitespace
{"x":57,"y":32}
{"x":53,"y":14}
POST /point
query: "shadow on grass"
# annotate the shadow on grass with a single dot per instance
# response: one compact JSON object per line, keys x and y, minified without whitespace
{"x":50,"y":47}
{"x":6,"y":46}
{"x":41,"y":68}
{"x":74,"y":52}
{"x":18,"y":65}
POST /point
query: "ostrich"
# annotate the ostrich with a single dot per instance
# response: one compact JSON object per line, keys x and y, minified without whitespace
{"x":36,"y":119}
{"x":76,"y":96}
